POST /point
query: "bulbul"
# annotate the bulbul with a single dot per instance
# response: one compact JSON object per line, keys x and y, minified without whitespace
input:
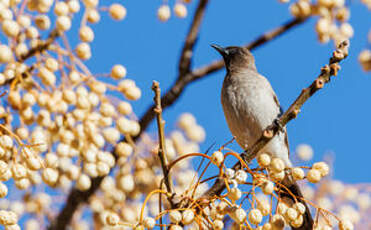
{"x":250,"y":105}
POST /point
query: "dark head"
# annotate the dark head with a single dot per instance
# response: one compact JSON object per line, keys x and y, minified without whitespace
{"x":236,"y":58}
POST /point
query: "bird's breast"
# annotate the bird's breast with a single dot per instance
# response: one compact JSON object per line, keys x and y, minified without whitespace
{"x":249,"y":106}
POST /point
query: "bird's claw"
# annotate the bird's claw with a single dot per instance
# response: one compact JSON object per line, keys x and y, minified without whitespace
{"x":277,"y":122}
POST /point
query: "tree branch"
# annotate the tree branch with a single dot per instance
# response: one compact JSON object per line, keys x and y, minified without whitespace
{"x":326,"y":72}
{"x":161,"y":136}
{"x":187,"y":52}
{"x":185,"y":77}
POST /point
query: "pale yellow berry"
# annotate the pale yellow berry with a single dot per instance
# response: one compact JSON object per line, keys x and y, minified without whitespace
{"x":18,"y":171}
{"x":63,"y":23}
{"x":149,"y":222}
{"x":180,"y":10}
{"x":322,"y":167}
{"x":118,"y":72}
{"x":107,"y":109}
{"x":24,"y":21}
{"x":83,"y":51}
{"x":240,"y":176}
{"x":234,"y":194}
{"x":50,"y":176}
{"x":338,"y":3}
{"x":86,"y":34}
{"x":163,"y":13}
{"x":51,"y":64}
{"x":22,"y":133}
{"x":326,"y":3}
{"x":175,"y":216}
{"x":10,"y":28}
{"x":42,"y":22}
{"x":93,"y":16}
{"x":323,"y":26}
{"x":6,"y":54}
{"x":124,"y":149}
{"x":264,"y":160}
{"x":238,"y":215}
{"x":264,"y":207}
{"x":6,"y":14}
{"x":133,"y":93}
{"x":186,"y":120}
{"x":83,"y":183}
{"x":117,"y":11}
{"x":299,"y":207}
{"x":126,"y":183}
{"x":61,"y":8}
{"x":22,"y":184}
{"x":217,"y":157}
{"x":255,"y":216}
{"x":175,"y":227}
{"x":218,"y":225}
{"x":91,"y":3}
{"x":74,"y":76}
{"x":304,"y":152}
{"x":282,"y":208}
{"x":47,"y":76}
{"x":346,"y":30}
{"x":73,"y":6}
{"x":8,"y":218}
{"x":3,"y":190}
{"x":300,"y":9}
{"x":21,"y":49}
{"x":125,"y":85}
{"x":364,"y":201}
{"x":112,"y":219}
{"x":267,"y":226}
{"x":297,"y":173}
{"x":342,"y":14}
{"x":278,"y":176}
{"x":111,"y":134}
{"x":314,"y":176}
{"x":298,"y":222}
{"x":124,"y":108}
{"x":277,"y":165}
{"x":278,"y":221}
{"x":345,"y":225}
{"x":291,"y":214}
{"x":267,"y":187}
{"x":6,"y":141}
{"x":188,"y":217}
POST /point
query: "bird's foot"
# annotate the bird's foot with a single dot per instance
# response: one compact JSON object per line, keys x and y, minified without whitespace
{"x":278,"y":123}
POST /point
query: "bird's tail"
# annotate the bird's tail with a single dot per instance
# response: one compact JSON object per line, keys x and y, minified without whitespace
{"x":294,"y":189}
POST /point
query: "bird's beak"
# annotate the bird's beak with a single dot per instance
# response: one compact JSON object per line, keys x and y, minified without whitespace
{"x":220,"y":49}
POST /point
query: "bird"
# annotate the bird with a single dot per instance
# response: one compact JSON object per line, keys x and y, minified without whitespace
{"x":250,"y":105}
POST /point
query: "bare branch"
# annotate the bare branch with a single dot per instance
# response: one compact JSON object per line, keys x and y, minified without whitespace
{"x":326,"y":72}
{"x":44,"y":45}
{"x":161,"y":136}
{"x":187,"y":52}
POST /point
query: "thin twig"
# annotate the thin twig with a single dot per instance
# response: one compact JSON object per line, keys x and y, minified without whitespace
{"x":44,"y":45}
{"x":326,"y":72}
{"x":161,"y":136}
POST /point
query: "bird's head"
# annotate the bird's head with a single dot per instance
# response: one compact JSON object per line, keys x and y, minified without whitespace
{"x":235,"y":57}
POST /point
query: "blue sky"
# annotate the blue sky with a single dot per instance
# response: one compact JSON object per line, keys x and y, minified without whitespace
{"x":337,"y":119}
